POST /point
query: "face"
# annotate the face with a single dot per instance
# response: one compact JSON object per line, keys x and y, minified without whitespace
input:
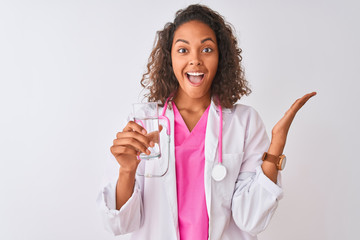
{"x":195,"y":57}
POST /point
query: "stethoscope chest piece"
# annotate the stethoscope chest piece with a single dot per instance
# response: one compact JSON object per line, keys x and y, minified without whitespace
{"x":218,"y":172}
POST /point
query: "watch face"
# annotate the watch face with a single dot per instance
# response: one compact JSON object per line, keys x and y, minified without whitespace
{"x":282,"y":163}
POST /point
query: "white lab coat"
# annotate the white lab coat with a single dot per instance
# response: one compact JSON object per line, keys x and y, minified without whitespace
{"x":239,"y":207}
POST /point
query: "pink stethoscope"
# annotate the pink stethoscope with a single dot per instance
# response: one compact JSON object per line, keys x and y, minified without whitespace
{"x":219,"y":171}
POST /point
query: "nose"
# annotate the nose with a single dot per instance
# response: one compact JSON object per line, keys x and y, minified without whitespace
{"x":195,"y":63}
{"x":195,"y":60}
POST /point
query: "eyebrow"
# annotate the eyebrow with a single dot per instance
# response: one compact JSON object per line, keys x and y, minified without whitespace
{"x":202,"y":41}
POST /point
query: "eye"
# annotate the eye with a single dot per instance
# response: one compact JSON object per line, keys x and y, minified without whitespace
{"x":182,"y":50}
{"x":207,"y":50}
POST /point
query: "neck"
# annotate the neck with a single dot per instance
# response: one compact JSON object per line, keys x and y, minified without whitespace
{"x":192,"y":104}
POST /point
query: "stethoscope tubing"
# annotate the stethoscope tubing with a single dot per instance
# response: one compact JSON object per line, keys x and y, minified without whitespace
{"x":220,"y":133}
{"x":162,"y":116}
{"x":219,"y":171}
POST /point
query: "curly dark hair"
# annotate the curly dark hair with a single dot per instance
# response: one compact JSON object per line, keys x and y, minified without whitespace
{"x":229,"y":83}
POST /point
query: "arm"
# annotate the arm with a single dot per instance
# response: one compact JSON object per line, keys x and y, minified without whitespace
{"x":124,"y":186}
{"x":126,"y":147}
{"x":120,"y":201}
{"x":255,"y":197}
{"x":256,"y":194}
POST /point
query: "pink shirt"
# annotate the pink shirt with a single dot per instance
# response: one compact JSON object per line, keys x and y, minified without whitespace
{"x":190,"y":162}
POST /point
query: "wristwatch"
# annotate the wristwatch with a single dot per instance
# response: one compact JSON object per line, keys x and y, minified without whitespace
{"x":279,"y":161}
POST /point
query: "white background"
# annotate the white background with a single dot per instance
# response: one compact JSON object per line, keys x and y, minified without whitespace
{"x":69,"y":71}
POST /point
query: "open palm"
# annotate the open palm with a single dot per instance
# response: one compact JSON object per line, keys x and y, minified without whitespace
{"x":281,"y":129}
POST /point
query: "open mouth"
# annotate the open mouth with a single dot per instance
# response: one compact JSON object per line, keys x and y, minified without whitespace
{"x":195,"y":77}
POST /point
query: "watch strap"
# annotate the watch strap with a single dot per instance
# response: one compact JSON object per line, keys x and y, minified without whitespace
{"x":279,"y":161}
{"x":270,"y":158}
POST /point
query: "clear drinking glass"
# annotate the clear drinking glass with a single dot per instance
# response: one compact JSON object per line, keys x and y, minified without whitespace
{"x":146,"y":115}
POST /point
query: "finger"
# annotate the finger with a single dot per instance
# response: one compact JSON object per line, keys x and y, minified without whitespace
{"x":153,"y":136}
{"x":138,"y":136}
{"x":133,"y":126}
{"x":119,"y":150}
{"x":307,"y":97}
{"x":299,"y":103}
{"x":131,"y":143}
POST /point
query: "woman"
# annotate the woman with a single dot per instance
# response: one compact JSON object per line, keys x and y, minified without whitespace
{"x":195,"y":69}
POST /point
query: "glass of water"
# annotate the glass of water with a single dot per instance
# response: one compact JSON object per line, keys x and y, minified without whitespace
{"x":146,"y":115}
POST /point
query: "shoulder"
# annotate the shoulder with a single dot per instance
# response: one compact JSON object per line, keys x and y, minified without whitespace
{"x":244,"y":112}
{"x":246,"y":117}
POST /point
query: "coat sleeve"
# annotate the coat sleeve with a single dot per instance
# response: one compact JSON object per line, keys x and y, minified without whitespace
{"x":255,"y":197}
{"x":125,"y":220}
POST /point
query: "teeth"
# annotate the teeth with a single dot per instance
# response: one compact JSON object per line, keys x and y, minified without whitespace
{"x":195,"y":73}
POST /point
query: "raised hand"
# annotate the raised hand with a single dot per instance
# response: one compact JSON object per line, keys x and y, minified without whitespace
{"x":279,"y":135}
{"x":281,"y":129}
